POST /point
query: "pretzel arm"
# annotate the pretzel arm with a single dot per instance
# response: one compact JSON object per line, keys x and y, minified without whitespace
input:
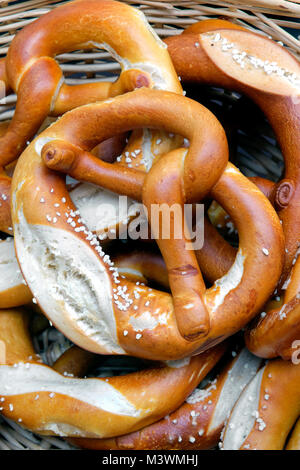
{"x":46,"y":400}
{"x":70,"y":97}
{"x":83,"y":166}
{"x":216,"y":256}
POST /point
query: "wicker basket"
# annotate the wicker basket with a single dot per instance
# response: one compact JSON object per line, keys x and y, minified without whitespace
{"x":255,"y":148}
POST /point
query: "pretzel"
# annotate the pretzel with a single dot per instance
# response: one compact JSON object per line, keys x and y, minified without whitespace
{"x":294,"y":440}
{"x":44,"y":401}
{"x":277,"y":329}
{"x":29,"y":62}
{"x":266,"y":410}
{"x":260,"y":250}
{"x":220,"y":219}
{"x":13,"y":291}
{"x":196,"y":424}
{"x":269,"y":75}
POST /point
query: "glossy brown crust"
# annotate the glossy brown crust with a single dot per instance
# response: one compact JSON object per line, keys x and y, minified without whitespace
{"x":278,"y":408}
{"x":190,"y":427}
{"x":67,"y":157}
{"x":74,"y":134}
{"x":294,"y":440}
{"x":5,"y":184}
{"x":5,"y":213}
{"x":14,"y":333}
{"x":15,"y":297}
{"x":32,"y":72}
{"x":143,"y":389}
{"x":216,"y":256}
{"x":143,"y":266}
{"x":75,"y":361}
{"x":277,"y":333}
{"x":109,"y":150}
{"x":3,"y":76}
{"x":211,"y":25}
{"x":195,"y":61}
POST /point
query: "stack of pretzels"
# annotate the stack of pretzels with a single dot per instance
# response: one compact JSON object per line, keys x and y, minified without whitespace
{"x":215,"y":312}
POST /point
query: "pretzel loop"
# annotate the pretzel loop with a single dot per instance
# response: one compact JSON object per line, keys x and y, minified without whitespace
{"x":36,"y":224}
{"x":43,"y":400}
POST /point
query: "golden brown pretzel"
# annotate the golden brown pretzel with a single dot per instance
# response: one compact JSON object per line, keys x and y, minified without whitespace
{"x":135,"y":320}
{"x":45,"y":401}
{"x":30,"y":62}
{"x":31,"y":71}
{"x":197,"y":423}
{"x":269,"y":75}
{"x":266,"y":410}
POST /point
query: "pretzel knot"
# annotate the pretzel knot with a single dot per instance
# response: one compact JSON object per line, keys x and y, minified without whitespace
{"x":218,"y":53}
{"x":84,"y":296}
{"x":31,"y":71}
{"x":221,"y":55}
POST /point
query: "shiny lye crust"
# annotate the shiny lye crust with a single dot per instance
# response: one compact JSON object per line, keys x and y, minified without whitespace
{"x":197,"y":423}
{"x":135,"y":319}
{"x":221,"y":55}
{"x":31,"y":62}
{"x":48,"y":402}
{"x":263,"y":416}
{"x":270,"y":76}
